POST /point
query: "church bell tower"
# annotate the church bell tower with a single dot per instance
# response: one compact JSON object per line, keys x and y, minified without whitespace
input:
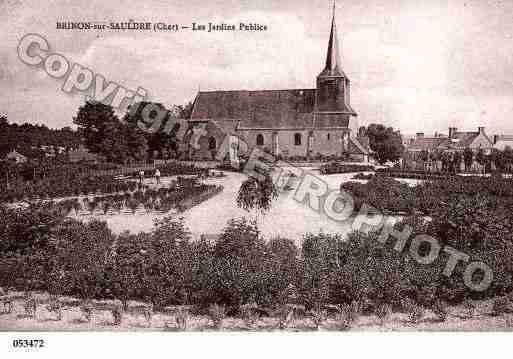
{"x":332,"y":83}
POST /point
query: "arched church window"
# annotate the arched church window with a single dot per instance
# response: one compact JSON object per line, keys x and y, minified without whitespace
{"x":212,"y":145}
{"x":260,"y":140}
{"x":328,"y":136}
{"x":297,"y":139}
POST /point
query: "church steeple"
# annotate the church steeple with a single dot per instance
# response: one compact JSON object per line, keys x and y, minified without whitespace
{"x":333,"y":66}
{"x":333,"y":86}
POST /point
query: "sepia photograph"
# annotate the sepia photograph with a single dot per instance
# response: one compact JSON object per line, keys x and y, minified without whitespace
{"x":327,"y":168}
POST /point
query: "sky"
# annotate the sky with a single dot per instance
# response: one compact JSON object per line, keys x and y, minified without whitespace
{"x":413,"y":65}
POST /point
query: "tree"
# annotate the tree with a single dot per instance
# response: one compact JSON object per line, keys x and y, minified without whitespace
{"x":468,"y":157}
{"x":385,"y":143}
{"x":481,"y":157}
{"x":105,"y":135}
{"x":159,"y":125}
{"x":95,"y":122}
{"x":186,"y":111}
{"x":456,"y":160}
{"x":3,"y":120}
{"x":508,"y":158}
{"x":257,"y":194}
{"x":497,"y":158}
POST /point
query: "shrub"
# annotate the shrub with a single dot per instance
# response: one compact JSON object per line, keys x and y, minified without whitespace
{"x":348,"y":315}
{"x":501,"y":306}
{"x":414,"y":311}
{"x":216,"y":313}
{"x":239,"y":255}
{"x":337,"y":167}
{"x":384,"y":194}
{"x":363,"y":176}
{"x":319,"y":315}
{"x":441,"y":309}
{"x":118,"y":205}
{"x":470,"y":308}
{"x":383,"y":311}
{"x":92,"y":205}
{"x":250,"y":315}
{"x":181,"y":319}
{"x":285,"y":316}
{"x":133,"y":204}
{"x":106,"y":205}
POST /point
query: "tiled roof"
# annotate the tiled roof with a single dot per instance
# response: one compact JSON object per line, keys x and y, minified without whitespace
{"x":267,"y":109}
{"x":460,"y":140}
{"x":426,"y":143}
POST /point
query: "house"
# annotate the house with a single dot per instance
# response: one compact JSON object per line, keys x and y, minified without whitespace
{"x":454,"y":141}
{"x":16,"y":157}
{"x":501,"y":142}
{"x":81,"y":154}
{"x":287,"y":123}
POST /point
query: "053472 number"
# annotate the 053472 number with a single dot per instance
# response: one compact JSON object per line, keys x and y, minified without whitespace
{"x":28,"y":343}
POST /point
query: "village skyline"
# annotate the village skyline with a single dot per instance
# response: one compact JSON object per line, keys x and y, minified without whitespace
{"x":413,"y":67}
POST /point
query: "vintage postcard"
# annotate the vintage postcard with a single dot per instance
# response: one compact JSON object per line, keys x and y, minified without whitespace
{"x":270,"y":166}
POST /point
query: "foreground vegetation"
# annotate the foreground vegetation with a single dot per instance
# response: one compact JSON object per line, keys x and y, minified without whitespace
{"x":242,"y":274}
{"x":338,"y":167}
{"x":42,"y":250}
{"x":391,"y":196}
{"x":33,"y":181}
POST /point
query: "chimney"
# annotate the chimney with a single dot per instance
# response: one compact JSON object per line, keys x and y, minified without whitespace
{"x":452,"y":132}
{"x":481,"y":130}
{"x":420,"y":134}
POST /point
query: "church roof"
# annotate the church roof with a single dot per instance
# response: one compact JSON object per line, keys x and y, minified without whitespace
{"x":265,"y":109}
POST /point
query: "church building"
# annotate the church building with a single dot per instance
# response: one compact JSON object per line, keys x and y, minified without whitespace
{"x":287,"y":123}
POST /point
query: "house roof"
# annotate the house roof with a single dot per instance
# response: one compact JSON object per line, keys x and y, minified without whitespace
{"x":462,"y":139}
{"x":503,"y":141}
{"x":425,"y":143}
{"x":459,"y":140}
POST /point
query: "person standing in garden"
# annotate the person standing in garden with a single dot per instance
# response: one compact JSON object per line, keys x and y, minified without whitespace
{"x":141,"y":176}
{"x":157,"y":175}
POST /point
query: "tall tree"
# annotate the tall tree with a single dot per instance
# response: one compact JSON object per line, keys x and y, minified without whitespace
{"x":159,"y":125}
{"x":105,"y":135}
{"x":97,"y":123}
{"x":385,"y":142}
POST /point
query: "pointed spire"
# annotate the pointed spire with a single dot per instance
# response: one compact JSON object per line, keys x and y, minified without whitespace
{"x":333,"y":57}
